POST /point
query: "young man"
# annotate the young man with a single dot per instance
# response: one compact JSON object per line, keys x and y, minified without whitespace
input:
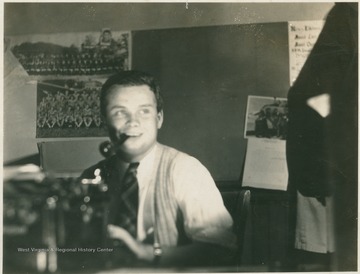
{"x":179,"y":217}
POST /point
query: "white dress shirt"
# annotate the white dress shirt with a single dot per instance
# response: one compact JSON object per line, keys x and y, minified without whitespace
{"x":205,"y":216}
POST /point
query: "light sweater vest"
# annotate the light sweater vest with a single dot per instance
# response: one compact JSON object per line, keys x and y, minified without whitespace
{"x":167,"y":217}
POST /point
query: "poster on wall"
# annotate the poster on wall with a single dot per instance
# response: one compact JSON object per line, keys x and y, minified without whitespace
{"x":266,"y":117}
{"x":69,"y":108}
{"x":65,"y":54}
{"x":302,"y":38}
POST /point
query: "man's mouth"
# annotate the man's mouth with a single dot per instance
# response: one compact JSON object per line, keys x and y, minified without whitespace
{"x":133,"y":134}
{"x":123,"y":137}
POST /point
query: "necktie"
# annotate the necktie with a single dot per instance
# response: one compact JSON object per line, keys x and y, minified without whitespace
{"x":126,"y":201}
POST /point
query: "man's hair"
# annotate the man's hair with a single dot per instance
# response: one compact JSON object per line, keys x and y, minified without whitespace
{"x":106,"y":31}
{"x":129,"y":79}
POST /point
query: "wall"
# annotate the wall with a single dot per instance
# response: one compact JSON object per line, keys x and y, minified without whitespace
{"x":27,"y":18}
{"x":20,"y":18}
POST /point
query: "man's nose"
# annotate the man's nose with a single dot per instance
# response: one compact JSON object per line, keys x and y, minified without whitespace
{"x":132,"y":120}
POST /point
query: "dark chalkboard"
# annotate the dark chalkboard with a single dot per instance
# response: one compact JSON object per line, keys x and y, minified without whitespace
{"x":206,"y":74}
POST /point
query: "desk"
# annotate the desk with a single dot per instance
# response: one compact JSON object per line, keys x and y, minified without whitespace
{"x":265,"y":246}
{"x":189,"y":270}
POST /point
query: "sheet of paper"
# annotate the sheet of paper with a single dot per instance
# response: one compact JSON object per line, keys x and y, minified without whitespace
{"x":302,"y":38}
{"x":265,"y":164}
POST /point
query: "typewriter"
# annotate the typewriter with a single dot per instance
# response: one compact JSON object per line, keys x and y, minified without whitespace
{"x":51,"y":223}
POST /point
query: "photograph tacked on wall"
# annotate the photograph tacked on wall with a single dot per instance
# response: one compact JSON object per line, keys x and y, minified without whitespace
{"x":69,"y":108}
{"x":266,"y":117}
{"x":65,"y":54}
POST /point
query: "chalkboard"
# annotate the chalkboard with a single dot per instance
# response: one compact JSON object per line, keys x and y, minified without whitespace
{"x":206,"y":74}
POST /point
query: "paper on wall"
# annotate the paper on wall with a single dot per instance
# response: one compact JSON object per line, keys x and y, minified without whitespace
{"x":302,"y":38}
{"x":265,"y":164}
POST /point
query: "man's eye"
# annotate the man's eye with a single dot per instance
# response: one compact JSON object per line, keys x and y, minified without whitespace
{"x":145,"y":111}
{"x":119,"y":113}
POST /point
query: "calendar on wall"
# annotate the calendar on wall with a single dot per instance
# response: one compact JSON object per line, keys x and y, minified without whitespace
{"x":266,"y":132}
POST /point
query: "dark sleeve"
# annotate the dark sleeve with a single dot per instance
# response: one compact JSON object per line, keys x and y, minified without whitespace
{"x":317,"y":145}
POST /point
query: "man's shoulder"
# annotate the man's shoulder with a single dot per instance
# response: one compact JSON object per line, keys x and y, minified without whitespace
{"x":178,"y":157}
{"x":172,"y":152}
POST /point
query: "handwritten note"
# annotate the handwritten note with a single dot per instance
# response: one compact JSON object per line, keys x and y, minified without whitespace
{"x":265,"y":164}
{"x":302,"y":38}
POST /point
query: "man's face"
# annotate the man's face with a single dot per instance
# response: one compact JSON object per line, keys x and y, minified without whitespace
{"x":132,"y":111}
{"x":106,"y":37}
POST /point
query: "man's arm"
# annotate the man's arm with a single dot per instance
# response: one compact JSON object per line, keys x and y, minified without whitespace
{"x":194,"y":254}
{"x":206,"y":221}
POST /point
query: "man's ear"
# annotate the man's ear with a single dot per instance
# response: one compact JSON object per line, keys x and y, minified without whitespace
{"x":160,"y":118}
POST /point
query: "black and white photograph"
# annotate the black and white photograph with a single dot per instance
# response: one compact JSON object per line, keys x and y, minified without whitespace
{"x":68,"y":108}
{"x":88,"y":53}
{"x":266,"y":117}
{"x":180,"y":137}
